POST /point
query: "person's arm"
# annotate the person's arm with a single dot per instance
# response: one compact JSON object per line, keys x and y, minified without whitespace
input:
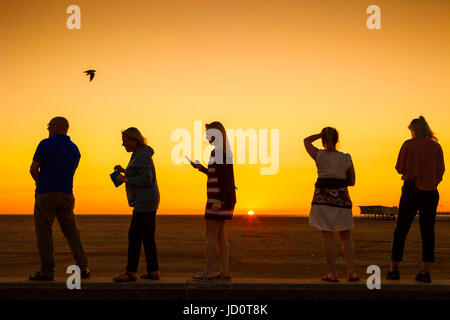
{"x":441,"y":165}
{"x":144,"y":172}
{"x":401,"y":160}
{"x":199,"y":167}
{"x":38,"y":158}
{"x":34,"y":170}
{"x":77,"y":159}
{"x":312,"y":151}
{"x":350,"y":172}
{"x":351,"y":178}
{"x":203,"y":169}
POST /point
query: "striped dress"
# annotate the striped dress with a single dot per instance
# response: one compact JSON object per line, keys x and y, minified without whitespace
{"x":213,"y":191}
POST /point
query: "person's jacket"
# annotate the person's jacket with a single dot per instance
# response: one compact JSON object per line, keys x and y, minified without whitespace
{"x":142,"y":187}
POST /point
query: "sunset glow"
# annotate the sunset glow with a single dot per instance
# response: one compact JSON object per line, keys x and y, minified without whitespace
{"x":296,"y":66}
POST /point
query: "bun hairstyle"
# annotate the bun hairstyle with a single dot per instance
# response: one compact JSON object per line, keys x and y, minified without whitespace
{"x":330,"y":137}
{"x":134,"y":134}
{"x":421,"y":129}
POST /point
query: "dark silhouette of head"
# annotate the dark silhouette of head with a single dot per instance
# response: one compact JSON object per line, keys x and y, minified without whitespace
{"x":58,"y":125}
{"x":420,"y":129}
{"x":132,"y":138}
{"x":330,"y":138}
{"x":211,"y":134}
{"x":214,"y":131}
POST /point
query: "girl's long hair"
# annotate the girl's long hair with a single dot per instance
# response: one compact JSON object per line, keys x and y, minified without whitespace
{"x":228,"y":156}
{"x":421,"y":129}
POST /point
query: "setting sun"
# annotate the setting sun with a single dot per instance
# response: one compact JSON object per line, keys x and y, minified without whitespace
{"x":250,"y":213}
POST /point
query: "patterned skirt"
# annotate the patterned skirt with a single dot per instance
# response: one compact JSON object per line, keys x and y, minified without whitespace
{"x":331,"y":208}
{"x":333,"y":197}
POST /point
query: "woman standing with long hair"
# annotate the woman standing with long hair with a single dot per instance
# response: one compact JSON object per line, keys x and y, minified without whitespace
{"x":143,"y":196}
{"x":421,"y":164}
{"x":221,"y":199}
{"x":331,"y":207}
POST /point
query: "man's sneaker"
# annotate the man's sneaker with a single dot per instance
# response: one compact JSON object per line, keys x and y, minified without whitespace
{"x":85,"y":273}
{"x":41,"y":276}
{"x":393,"y":275}
{"x":423,"y":277}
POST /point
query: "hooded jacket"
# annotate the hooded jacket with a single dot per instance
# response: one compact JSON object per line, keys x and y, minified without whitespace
{"x":142,"y":187}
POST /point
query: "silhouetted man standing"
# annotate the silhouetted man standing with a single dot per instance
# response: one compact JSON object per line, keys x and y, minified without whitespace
{"x":53,"y":168}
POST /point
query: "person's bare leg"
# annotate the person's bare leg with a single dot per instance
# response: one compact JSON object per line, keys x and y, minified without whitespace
{"x":426,"y":267}
{"x":349,"y":251}
{"x":211,"y":243}
{"x":330,"y":255}
{"x":223,"y":249}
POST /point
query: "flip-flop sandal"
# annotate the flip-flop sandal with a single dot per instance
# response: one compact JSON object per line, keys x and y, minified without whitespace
{"x":354,"y":279}
{"x":328,"y":279}
{"x":150,"y":276}
{"x":222,"y":277}
{"x":124,"y":277}
{"x":202,"y":277}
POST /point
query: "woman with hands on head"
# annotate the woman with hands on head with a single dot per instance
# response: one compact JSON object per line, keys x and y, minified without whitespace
{"x":221,"y":199}
{"x":143,"y":196}
{"x":331,"y":207}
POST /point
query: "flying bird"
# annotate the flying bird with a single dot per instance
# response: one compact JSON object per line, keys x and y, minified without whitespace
{"x":90,"y":73}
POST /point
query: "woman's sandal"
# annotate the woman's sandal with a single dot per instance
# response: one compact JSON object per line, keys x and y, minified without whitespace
{"x":353,"y":279}
{"x":328,"y":279}
{"x":202,"y":277}
{"x":125,"y":277}
{"x":222,"y":277}
{"x":150,"y":276}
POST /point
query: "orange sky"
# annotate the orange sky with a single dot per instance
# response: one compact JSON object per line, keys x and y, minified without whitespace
{"x":296,"y":66}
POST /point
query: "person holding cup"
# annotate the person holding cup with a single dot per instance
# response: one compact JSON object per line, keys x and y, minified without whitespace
{"x":143,"y":195}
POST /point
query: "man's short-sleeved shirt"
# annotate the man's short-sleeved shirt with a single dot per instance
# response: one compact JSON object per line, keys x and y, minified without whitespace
{"x":58,"y":159}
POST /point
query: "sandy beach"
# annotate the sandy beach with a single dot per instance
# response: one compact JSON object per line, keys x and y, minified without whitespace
{"x":260,"y":247}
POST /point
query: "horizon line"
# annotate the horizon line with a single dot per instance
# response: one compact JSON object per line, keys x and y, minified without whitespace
{"x":198,"y":214}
